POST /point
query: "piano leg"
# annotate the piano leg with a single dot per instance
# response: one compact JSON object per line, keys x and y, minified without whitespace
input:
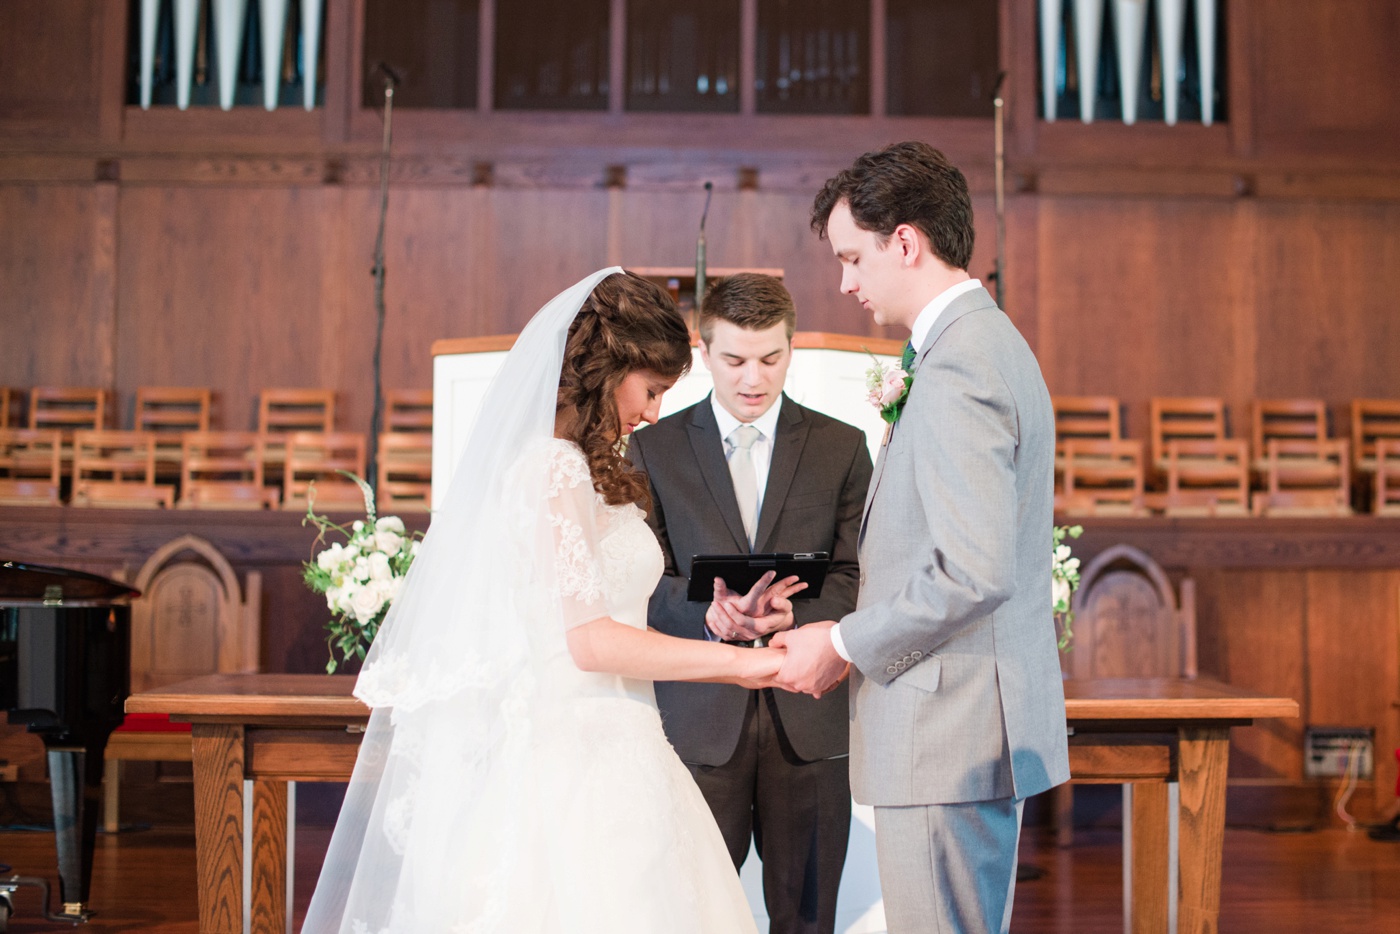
{"x":76,"y":803}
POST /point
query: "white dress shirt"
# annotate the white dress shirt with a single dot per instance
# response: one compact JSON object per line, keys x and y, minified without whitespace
{"x":762,"y":450}
{"x":919,"y":333}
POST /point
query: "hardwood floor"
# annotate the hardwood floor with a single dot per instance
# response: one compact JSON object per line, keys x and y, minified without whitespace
{"x":1331,"y":880}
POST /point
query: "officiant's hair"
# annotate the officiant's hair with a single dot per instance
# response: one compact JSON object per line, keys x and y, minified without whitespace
{"x":907,"y":183}
{"x":751,"y":300}
{"x":627,"y":324}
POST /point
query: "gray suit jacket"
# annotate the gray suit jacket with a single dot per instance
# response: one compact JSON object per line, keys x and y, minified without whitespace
{"x":957,"y":695}
{"x":813,"y":502}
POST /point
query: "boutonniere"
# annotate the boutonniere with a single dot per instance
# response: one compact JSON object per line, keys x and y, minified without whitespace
{"x":887,"y":388}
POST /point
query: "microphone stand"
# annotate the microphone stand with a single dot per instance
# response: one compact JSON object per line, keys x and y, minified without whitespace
{"x":700,"y":257}
{"x":999,"y":172}
{"x":391,"y":79}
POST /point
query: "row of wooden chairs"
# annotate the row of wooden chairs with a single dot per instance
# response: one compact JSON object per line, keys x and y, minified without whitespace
{"x":218,"y":470}
{"x":1191,"y":466}
{"x":176,"y":409}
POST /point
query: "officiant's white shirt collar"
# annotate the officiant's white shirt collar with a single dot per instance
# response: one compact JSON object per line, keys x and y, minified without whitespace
{"x":767,"y":423}
{"x":924,"y":323}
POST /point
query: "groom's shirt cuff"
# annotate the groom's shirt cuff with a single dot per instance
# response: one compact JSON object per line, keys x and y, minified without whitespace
{"x":837,"y":644}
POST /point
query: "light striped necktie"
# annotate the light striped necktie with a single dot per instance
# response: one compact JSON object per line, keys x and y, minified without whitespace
{"x":741,"y":471}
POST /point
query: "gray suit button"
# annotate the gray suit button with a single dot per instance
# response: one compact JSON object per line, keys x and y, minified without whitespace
{"x":862,"y":578}
{"x":918,"y":655}
{"x":892,"y":670}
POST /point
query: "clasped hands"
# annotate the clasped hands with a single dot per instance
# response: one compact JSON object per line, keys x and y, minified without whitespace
{"x":800,"y":660}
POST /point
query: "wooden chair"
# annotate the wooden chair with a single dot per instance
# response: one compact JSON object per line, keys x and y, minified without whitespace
{"x":1102,"y":477}
{"x":224,"y":470}
{"x":169,"y":412}
{"x":1387,"y":498}
{"x":68,"y":409}
{"x":12,"y":407}
{"x":1183,"y":419}
{"x":284,"y":411}
{"x":1284,"y":420}
{"x":1371,"y":421}
{"x":408,"y":410}
{"x":117,"y":469}
{"x":313,"y":456}
{"x":1205,"y":478}
{"x":1305,"y":477}
{"x":192,"y":618}
{"x":405,"y":465}
{"x":1128,"y":623}
{"x":1097,"y":418}
{"x":31,"y":467}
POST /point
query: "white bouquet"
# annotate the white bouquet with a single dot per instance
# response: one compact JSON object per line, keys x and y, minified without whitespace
{"x":359,"y":578}
{"x":1064,"y":574}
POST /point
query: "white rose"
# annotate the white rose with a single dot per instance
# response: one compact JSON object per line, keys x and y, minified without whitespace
{"x":366,"y":603}
{"x":379,"y":570}
{"x":388,"y":541}
{"x":358,"y":525}
{"x":361,"y":571}
{"x":1062,"y":553}
{"x":333,"y":598}
{"x":345,"y":599}
{"x":332,"y":556}
{"x":1059,"y":593}
{"x":389,"y":524}
{"x":395,"y":587}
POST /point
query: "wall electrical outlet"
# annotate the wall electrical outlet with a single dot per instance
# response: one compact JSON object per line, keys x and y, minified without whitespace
{"x":1327,"y":750}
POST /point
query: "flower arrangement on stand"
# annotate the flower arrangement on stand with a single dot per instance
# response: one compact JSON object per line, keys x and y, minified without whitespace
{"x":359,"y":578}
{"x":1064,"y":571}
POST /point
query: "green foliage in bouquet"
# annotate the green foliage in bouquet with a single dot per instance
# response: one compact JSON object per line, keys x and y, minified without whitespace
{"x":360,"y":577}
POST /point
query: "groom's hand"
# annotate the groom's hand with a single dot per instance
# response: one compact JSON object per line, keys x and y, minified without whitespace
{"x":812,"y":665}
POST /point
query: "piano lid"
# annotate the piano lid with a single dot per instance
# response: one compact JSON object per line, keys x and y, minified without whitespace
{"x":40,"y":585}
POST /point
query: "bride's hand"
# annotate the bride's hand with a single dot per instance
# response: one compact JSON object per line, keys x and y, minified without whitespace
{"x":758,"y":667}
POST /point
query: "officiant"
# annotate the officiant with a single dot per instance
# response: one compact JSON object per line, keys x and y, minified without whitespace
{"x":749,"y":470}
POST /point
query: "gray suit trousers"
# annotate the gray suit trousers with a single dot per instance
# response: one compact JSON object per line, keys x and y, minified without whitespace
{"x":948,"y":868}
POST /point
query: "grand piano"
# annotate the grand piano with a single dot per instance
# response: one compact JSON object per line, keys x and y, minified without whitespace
{"x":65,"y":649}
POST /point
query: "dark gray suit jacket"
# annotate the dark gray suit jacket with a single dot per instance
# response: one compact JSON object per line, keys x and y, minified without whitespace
{"x":817,"y":482}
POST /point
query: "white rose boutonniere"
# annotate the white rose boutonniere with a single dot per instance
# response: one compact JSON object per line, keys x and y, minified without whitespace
{"x":887,"y":387}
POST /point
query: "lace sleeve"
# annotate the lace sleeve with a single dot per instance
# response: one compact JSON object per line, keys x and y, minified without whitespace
{"x":572,"y":515}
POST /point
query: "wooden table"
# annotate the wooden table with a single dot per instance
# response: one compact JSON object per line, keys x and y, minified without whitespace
{"x":275,"y":729}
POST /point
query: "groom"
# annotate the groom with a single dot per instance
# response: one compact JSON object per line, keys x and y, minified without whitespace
{"x":958,"y":711}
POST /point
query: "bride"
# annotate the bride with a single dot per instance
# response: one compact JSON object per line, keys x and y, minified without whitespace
{"x":514,"y":776}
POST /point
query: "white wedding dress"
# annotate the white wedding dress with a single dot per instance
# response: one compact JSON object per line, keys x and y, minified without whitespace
{"x":619,"y":839}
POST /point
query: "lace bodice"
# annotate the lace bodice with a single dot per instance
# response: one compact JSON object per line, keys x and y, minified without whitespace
{"x":607,"y":560}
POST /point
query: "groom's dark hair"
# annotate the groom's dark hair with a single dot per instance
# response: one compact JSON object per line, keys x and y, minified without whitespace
{"x":751,"y":300}
{"x":907,"y":183}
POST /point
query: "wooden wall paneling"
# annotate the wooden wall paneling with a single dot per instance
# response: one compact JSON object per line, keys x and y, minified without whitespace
{"x":1143,"y":297}
{"x":1240,"y":78}
{"x":51,"y":70}
{"x":1328,"y":79}
{"x":110,"y":70}
{"x":344,"y":20}
{"x":56,"y":245}
{"x":1328,"y":274}
{"x":1353,"y":651}
{"x":1250,"y":632}
{"x":220,"y":286}
{"x":1018,"y":292}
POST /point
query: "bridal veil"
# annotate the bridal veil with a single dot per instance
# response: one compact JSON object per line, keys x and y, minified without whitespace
{"x":451,"y":675}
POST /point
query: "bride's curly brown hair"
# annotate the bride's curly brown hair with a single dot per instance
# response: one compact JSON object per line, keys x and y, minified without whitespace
{"x":627,"y":324}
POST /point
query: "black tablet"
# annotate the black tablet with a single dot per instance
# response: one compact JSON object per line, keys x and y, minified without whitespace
{"x":740,"y":572}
